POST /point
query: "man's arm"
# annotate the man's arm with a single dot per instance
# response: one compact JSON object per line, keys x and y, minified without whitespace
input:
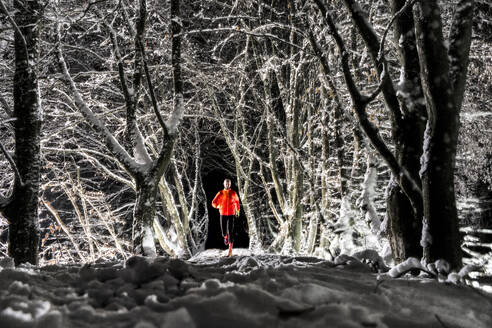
{"x":236,"y":202}
{"x":215,"y":202}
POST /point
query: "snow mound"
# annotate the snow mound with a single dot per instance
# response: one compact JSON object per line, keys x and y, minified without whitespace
{"x":246,"y":290}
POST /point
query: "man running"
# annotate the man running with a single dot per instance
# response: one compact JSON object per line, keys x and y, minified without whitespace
{"x":227,"y":202}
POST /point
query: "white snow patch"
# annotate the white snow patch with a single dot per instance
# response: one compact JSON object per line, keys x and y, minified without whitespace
{"x":248,"y":290}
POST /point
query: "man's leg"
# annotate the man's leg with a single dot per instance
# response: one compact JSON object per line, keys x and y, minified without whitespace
{"x":231,"y":228}
{"x":223,"y":221}
{"x":230,"y":232}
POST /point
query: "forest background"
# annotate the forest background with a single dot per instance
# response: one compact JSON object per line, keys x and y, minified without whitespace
{"x":144,"y":107}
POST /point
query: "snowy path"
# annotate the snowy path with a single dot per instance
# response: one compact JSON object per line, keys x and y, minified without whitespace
{"x":243,"y":291}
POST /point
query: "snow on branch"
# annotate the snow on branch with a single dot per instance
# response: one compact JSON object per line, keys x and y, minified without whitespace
{"x":370,"y":37}
{"x":439,"y":270}
{"x":94,"y":161}
{"x":238,"y":30}
{"x":110,"y":141}
{"x":136,"y":138}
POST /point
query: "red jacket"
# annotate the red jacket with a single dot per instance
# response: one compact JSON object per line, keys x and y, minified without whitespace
{"x":227,"y":202}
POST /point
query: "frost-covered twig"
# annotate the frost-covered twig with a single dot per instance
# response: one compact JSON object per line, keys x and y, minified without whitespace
{"x":243,"y":31}
{"x":94,"y":161}
{"x":475,"y":230}
{"x":131,"y":98}
{"x":63,"y":226}
{"x":113,"y":145}
{"x":108,"y":227}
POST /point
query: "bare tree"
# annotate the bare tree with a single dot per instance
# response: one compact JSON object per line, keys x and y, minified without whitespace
{"x":407,"y":113}
{"x":145,"y":171}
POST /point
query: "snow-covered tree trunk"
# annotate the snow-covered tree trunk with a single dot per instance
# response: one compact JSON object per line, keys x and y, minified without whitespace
{"x":405,"y":223}
{"x":443,"y":89}
{"x":274,"y":107}
{"x":296,"y":173}
{"x":366,"y":202}
{"x":276,"y":103}
{"x":21,"y":209}
{"x":332,"y":97}
{"x":325,"y":195}
{"x":169,"y":202}
{"x":297,"y":206}
{"x":312,"y":230}
{"x":143,"y":216}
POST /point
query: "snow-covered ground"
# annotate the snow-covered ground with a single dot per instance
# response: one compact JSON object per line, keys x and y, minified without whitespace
{"x":211,"y":290}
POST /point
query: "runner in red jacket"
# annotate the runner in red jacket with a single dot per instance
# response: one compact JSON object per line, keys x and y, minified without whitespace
{"x":227,"y":202}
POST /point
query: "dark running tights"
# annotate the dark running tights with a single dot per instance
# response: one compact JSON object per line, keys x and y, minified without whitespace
{"x":227,"y":226}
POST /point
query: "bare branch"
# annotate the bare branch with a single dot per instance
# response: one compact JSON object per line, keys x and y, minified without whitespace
{"x":372,"y":43}
{"x":12,"y":163}
{"x":383,"y":77}
{"x":6,"y":107}
{"x":94,"y":161}
{"x":247,"y":32}
{"x":360,"y":103}
{"x":113,"y":145}
{"x":17,"y":30}
{"x":64,"y":227}
{"x":150,"y":85}
{"x":131,"y":99}
{"x":408,"y":4}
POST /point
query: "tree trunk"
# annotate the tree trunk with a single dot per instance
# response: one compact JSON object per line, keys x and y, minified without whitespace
{"x":143,"y":216}
{"x":443,"y":87}
{"x":169,"y":202}
{"x":22,"y":211}
{"x":405,"y":223}
{"x":401,"y":221}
